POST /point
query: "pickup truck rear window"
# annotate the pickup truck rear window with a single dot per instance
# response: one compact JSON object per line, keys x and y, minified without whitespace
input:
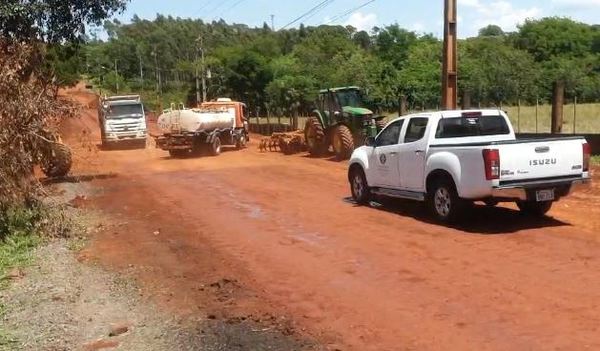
{"x":457,"y":127}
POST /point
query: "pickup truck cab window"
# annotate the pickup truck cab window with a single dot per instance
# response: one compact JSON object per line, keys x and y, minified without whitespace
{"x":390,"y":135}
{"x":457,"y":127}
{"x":416,"y":129}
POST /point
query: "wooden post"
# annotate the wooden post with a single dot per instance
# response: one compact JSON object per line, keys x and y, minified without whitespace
{"x":558,"y":99}
{"x":574,"y":114}
{"x":537,"y":106}
{"x":519,"y":115}
{"x":449,"y":64}
{"x":269,"y":122}
{"x":402,"y":105}
{"x":466,"y":100}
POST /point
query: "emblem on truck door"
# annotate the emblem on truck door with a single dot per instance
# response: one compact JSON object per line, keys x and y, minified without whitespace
{"x":382,"y":159}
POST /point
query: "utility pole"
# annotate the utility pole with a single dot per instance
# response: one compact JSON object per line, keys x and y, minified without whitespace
{"x":197,"y":81}
{"x":116,"y":76}
{"x":200,"y":42}
{"x":141,"y":72}
{"x":449,"y":65}
{"x":158,"y":82}
{"x":273,"y":23}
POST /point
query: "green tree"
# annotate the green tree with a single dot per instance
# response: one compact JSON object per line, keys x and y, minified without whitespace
{"x":53,"y":21}
{"x":491,"y":31}
{"x":562,"y":46}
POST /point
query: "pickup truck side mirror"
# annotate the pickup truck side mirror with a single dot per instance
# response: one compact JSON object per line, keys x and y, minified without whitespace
{"x":370,"y":141}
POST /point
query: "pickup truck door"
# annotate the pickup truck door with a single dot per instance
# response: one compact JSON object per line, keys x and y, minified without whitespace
{"x":411,"y":159}
{"x":383,"y":160}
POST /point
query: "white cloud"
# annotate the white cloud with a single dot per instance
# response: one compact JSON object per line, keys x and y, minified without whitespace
{"x":498,"y":12}
{"x":362,"y":21}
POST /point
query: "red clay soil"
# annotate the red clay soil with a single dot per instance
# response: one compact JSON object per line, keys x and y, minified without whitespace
{"x":274,"y":235}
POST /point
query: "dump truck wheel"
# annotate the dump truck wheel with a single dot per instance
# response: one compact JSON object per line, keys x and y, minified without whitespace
{"x":57,"y":161}
{"x":343,"y":142}
{"x":315,"y":137}
{"x":215,"y":147}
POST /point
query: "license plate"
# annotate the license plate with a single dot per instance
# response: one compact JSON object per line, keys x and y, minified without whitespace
{"x":544,"y":195}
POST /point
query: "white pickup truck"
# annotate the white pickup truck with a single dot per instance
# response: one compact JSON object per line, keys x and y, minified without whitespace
{"x":453,"y":158}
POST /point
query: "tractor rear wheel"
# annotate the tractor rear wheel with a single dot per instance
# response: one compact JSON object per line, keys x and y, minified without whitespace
{"x":57,"y":161}
{"x":315,"y":137}
{"x":343,"y":142}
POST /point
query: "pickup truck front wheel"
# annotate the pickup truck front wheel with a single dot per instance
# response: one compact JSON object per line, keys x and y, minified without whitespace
{"x":534,"y":208}
{"x":444,"y":202}
{"x":361,"y":193}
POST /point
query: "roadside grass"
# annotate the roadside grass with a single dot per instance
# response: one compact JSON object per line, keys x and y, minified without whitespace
{"x":585,"y":116}
{"x":21,"y":231}
{"x":16,"y":247}
{"x":596,"y":160}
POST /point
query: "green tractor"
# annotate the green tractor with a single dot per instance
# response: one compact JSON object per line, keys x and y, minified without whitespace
{"x":340,"y":120}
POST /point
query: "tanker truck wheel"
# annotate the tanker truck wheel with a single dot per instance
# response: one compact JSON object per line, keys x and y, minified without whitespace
{"x":215,"y":147}
{"x":241,"y":142}
{"x":343,"y":142}
{"x":57,"y":161}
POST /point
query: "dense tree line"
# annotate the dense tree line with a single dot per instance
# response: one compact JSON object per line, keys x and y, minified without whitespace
{"x":283,"y":70}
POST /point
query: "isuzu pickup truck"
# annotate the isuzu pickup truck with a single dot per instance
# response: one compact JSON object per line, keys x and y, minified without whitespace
{"x":452,"y":158}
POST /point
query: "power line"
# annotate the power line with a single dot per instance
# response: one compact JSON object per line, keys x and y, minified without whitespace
{"x":310,"y":12}
{"x":219,"y":5}
{"x":314,"y":13}
{"x":202,"y":7}
{"x":349,"y":12}
{"x":235,"y":4}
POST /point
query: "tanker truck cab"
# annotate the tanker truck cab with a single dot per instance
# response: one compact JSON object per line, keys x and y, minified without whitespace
{"x":204,"y":129}
{"x":122,"y":119}
{"x":452,"y":158}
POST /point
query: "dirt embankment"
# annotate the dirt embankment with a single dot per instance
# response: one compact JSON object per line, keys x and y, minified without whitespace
{"x":261,"y":235}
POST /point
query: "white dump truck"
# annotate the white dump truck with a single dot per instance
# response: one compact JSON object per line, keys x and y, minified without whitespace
{"x":204,"y":129}
{"x":122,"y":120}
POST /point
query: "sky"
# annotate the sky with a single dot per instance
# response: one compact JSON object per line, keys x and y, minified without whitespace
{"x":421,"y":16}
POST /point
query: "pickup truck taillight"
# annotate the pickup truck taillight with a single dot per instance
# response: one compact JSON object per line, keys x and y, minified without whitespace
{"x":491,"y":160}
{"x":587,"y":154}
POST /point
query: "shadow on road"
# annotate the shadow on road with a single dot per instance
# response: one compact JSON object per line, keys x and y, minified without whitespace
{"x":122,"y":146}
{"x":77,"y":179}
{"x":478,"y":219}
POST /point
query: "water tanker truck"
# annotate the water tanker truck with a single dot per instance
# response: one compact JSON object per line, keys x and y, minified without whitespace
{"x":203,"y":130}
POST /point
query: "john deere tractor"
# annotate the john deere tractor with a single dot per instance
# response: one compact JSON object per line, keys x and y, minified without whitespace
{"x":340,"y":120}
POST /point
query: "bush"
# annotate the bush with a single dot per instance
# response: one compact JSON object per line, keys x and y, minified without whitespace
{"x":30,"y":113}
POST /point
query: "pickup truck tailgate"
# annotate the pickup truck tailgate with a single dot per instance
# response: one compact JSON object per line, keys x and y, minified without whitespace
{"x":529,"y":160}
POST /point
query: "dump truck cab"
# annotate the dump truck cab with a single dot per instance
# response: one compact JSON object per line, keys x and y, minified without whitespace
{"x":122,"y":119}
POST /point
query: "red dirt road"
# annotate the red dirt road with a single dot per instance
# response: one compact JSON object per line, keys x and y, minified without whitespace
{"x":352,"y":278}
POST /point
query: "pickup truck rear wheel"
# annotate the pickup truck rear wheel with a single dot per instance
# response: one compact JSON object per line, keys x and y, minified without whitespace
{"x":444,"y":202}
{"x":534,"y":208}
{"x":361,"y":193}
